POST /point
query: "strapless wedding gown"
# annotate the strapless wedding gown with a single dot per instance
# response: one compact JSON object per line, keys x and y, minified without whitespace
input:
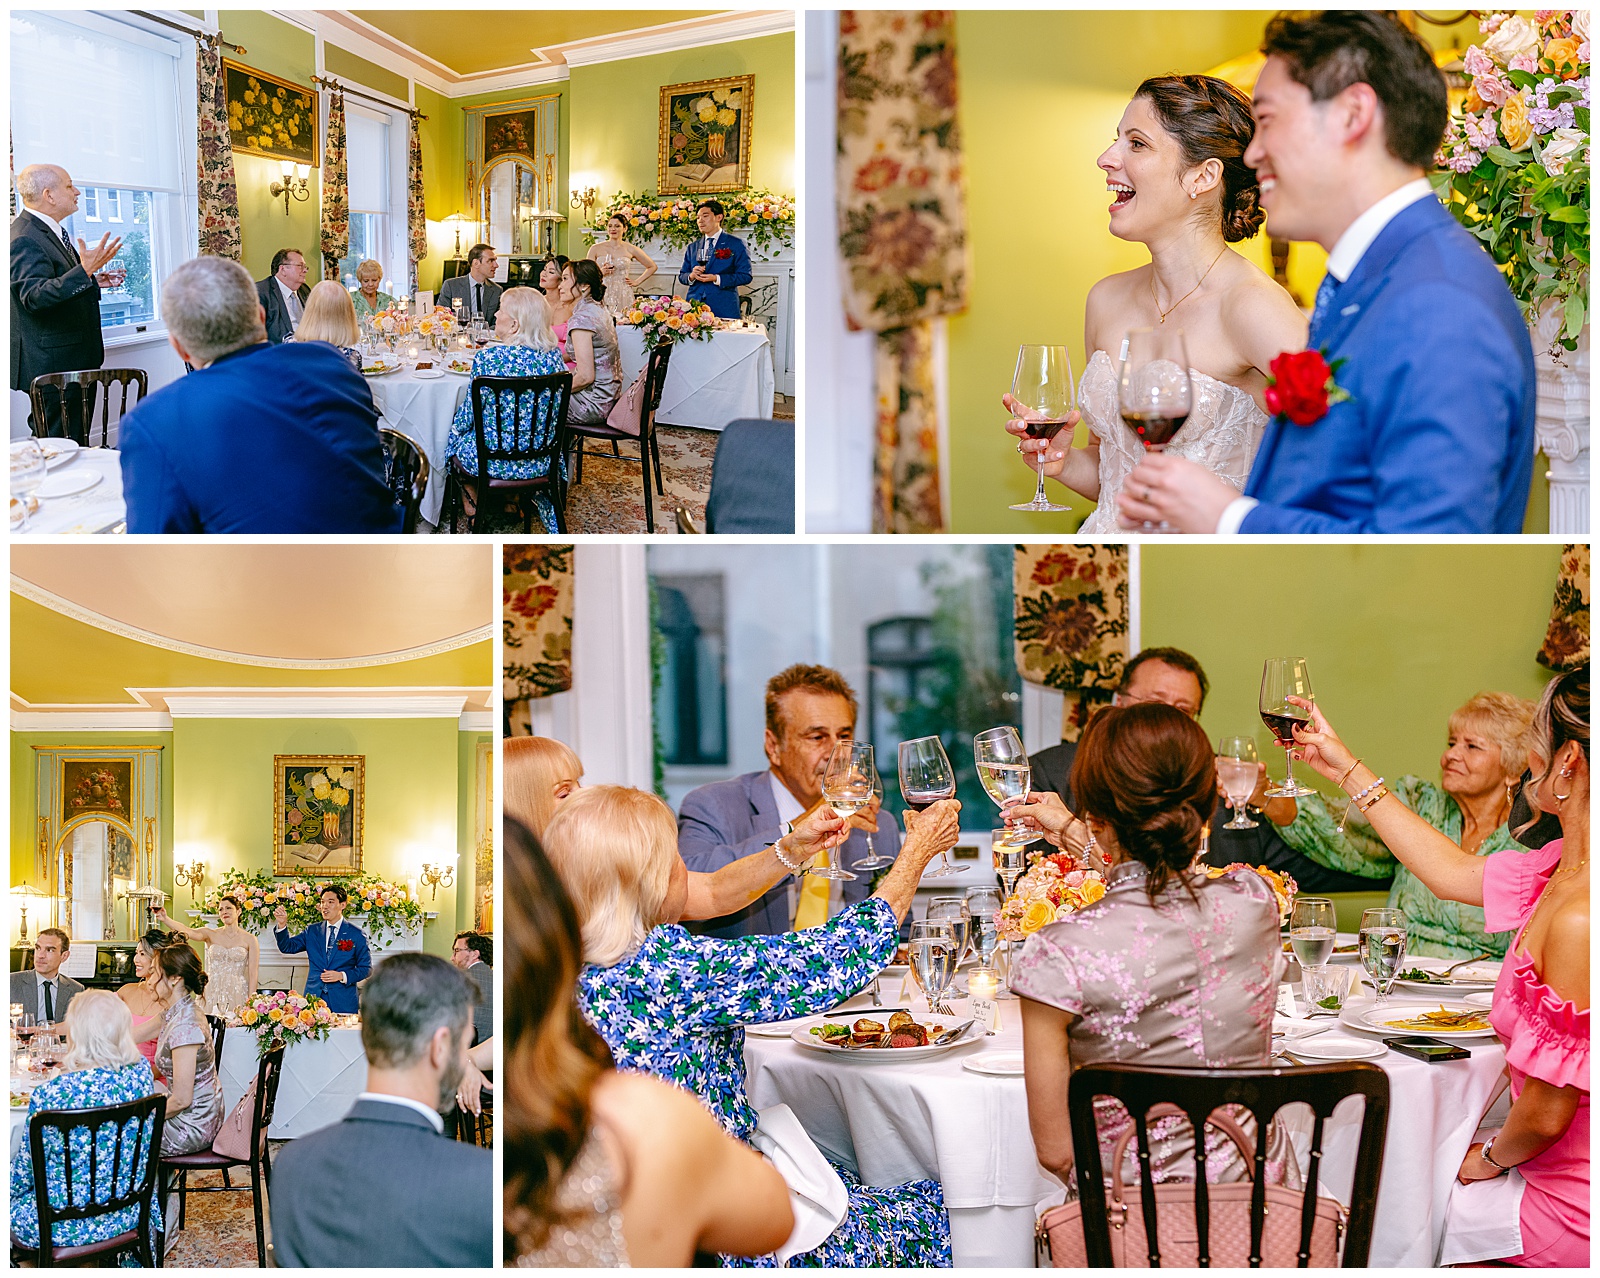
{"x":619,"y":292}
{"x":1222,"y":434}
{"x":229,"y":987}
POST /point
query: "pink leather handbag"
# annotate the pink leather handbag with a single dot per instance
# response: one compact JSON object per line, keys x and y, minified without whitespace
{"x":1060,"y":1229}
{"x":233,"y":1137}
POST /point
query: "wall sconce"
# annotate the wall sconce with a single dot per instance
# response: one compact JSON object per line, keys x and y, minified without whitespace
{"x":587,"y":199}
{"x":190,"y":876}
{"x":434,"y":877}
{"x":296,"y":184}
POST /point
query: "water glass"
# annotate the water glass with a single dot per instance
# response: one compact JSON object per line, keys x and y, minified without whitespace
{"x":1383,"y":947}
{"x":932,"y":950}
{"x":953,"y":910}
{"x":1319,"y":985}
{"x":1312,"y":931}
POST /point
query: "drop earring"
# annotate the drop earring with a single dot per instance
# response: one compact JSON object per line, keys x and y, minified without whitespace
{"x":1566,"y":774}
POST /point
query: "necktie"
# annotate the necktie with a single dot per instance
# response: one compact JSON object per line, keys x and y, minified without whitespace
{"x":71,"y":251}
{"x":49,"y":1002}
{"x":1324,"y":303}
{"x":328,"y":944}
{"x":815,"y":892}
{"x":295,"y":310}
{"x":477,"y":299}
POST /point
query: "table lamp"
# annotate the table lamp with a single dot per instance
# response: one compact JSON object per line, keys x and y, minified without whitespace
{"x":24,"y":891}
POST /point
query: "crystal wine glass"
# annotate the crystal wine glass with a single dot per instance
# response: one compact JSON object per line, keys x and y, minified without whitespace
{"x":1003,"y":768}
{"x":28,"y":468}
{"x":932,"y":949}
{"x":983,"y":911}
{"x":1282,"y":678}
{"x":926,"y":777}
{"x":1153,"y":391}
{"x":953,"y":910}
{"x":1238,"y":765}
{"x":1042,"y":384}
{"x":1312,"y":931}
{"x":1383,"y":947}
{"x":874,"y":860}
{"x":847,"y":788}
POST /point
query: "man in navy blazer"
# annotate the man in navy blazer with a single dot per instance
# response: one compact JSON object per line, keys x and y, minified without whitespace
{"x":336,"y":949}
{"x":259,"y":438}
{"x":716,"y":264}
{"x":810,"y":709}
{"x":1437,"y":432}
{"x":385,"y":1188}
{"x":284,"y":294}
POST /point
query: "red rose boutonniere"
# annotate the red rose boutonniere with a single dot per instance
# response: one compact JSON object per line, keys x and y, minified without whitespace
{"x":1302,"y":386}
{"x":347,"y":946}
{"x":724,"y":254}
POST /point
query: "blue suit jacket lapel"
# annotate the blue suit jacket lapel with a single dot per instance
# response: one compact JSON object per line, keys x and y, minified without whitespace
{"x":759,"y":792}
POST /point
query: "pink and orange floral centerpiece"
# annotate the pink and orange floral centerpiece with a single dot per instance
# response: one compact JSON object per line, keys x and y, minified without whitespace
{"x":283,"y":1018}
{"x":1053,"y":887}
{"x":665,"y":320}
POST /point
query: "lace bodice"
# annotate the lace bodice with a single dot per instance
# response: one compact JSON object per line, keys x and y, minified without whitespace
{"x":228,"y":967}
{"x":1222,"y":434}
{"x":619,"y":292}
{"x":588,"y":1207}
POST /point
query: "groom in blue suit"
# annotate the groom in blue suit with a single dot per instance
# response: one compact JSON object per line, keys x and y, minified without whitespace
{"x":716,"y":264}
{"x":336,"y":950}
{"x":1436,"y":434}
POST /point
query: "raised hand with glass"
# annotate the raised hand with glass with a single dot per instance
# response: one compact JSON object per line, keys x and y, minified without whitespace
{"x":1238,"y":767}
{"x":846,"y":788}
{"x":926,"y":777}
{"x":1282,"y":678}
{"x":1042,"y":390}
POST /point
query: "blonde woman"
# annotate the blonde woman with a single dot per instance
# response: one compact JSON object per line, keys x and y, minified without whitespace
{"x":233,"y":956}
{"x":102,"y":1068}
{"x":615,"y":256}
{"x":541,"y":773}
{"x":367,"y":299}
{"x":331,"y":317}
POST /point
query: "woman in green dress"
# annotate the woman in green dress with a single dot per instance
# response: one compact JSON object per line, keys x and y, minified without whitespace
{"x":1479,"y":770}
{"x":367,"y":298}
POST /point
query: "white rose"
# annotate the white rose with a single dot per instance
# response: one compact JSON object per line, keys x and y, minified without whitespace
{"x":1580,"y":24}
{"x":1561,"y":146}
{"x":1516,"y":36}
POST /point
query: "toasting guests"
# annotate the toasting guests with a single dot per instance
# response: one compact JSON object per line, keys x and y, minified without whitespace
{"x":716,"y":264}
{"x":591,"y":350}
{"x":46,"y":991}
{"x":283,"y":294}
{"x":336,"y":949}
{"x":55,"y":288}
{"x":259,"y":438}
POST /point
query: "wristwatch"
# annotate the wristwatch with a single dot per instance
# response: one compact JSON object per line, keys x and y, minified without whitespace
{"x":1486,"y":1152}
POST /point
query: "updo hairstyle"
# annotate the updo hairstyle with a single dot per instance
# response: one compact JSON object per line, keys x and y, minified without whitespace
{"x":1212,"y":120}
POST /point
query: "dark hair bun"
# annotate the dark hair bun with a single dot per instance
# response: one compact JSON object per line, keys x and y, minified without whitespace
{"x":1212,"y":120}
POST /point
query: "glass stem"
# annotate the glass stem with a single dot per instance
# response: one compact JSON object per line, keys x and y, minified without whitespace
{"x":1038,"y":489}
{"x":1288,"y":768}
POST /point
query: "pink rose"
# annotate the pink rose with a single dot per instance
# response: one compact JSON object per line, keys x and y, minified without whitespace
{"x":1493,"y":88}
{"x":1477,"y":63}
{"x":1528,"y":62}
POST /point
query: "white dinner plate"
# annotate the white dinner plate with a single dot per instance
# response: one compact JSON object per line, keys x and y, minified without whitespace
{"x":1374,"y":1019}
{"x":378,"y":370}
{"x":427,"y":374}
{"x":802,"y":1034}
{"x":1005,"y":1064}
{"x":1484,"y":998}
{"x":57,"y":452}
{"x":459,"y":372}
{"x":1336,"y":1047}
{"x":1481,"y":975}
{"x":75,"y":481}
{"x":778,"y":1029}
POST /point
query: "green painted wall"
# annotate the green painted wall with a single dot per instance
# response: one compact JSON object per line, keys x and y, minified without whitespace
{"x":443,"y":140}
{"x":347,"y":67}
{"x":466,"y":822}
{"x":1397,"y":637}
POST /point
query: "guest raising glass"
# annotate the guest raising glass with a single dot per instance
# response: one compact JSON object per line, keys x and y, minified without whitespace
{"x":925,"y":778}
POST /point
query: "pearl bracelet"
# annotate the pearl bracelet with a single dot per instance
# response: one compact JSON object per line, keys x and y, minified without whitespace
{"x":1356,"y":798}
{"x":794,"y":867}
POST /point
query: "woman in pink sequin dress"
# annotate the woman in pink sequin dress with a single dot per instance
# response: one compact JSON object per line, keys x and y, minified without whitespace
{"x":1541,"y":1002}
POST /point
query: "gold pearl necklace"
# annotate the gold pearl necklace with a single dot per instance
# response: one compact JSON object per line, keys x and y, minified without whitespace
{"x":1164,"y":313}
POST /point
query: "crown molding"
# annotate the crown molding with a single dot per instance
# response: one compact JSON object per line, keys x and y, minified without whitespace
{"x":673,"y":37}
{"x":89,"y":617}
{"x":314,"y":706}
{"x":157,"y":708}
{"x":90,"y":720}
{"x":477,"y":720}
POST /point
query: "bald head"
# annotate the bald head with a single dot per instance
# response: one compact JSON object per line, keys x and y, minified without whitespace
{"x":48,"y":189}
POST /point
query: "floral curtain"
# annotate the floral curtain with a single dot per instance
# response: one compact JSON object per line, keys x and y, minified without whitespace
{"x":536,"y":591}
{"x":416,"y":209}
{"x":1566,"y":640}
{"x":335,"y":191}
{"x":902,"y":234}
{"x":220,"y":235}
{"x":1071,"y":615}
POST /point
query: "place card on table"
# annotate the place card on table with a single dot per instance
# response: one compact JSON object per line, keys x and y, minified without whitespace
{"x":1286,"y":1001}
{"x":986,"y":1012}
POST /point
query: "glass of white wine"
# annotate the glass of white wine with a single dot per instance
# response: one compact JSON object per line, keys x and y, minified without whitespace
{"x":1312,"y":931}
{"x":846,"y":788}
{"x":1237,"y":769}
{"x":1006,"y":774}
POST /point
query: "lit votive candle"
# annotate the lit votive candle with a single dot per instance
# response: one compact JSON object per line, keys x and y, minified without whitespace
{"x":983,"y":985}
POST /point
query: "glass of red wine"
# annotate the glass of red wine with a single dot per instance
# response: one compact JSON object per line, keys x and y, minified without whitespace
{"x":1153,"y":392}
{"x":926,"y":777}
{"x":1282,"y":678}
{"x":1042,"y":384}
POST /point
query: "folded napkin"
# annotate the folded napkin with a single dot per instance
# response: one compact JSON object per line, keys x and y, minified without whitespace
{"x":1483,"y":1220}
{"x":816,"y":1193}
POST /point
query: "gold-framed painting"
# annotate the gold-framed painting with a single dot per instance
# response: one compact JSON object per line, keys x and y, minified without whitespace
{"x":317,"y":806}
{"x":705,"y":136}
{"x":269,"y":116}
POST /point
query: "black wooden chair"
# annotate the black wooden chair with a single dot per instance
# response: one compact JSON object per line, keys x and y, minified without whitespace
{"x":405,"y":471}
{"x":268,"y":1075}
{"x":1197,"y":1092}
{"x":655,"y":378}
{"x":128,"y":1182}
{"x":475,"y":1129}
{"x":74,"y":395}
{"x":552,"y":397}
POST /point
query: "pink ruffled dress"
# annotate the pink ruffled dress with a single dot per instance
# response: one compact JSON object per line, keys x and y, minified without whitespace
{"x":1546,"y":1037}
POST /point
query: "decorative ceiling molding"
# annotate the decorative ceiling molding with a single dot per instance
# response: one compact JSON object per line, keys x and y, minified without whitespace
{"x":90,"y":720}
{"x":89,"y":617}
{"x":315,"y":706}
{"x":686,"y":35}
{"x":477,"y":720}
{"x":158,"y":707}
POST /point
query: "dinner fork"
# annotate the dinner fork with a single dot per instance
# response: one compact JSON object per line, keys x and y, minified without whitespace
{"x":1465,"y":962}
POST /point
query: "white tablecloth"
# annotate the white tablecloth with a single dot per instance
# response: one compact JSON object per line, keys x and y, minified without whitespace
{"x":709,"y":383}
{"x":320,"y":1080}
{"x":96,"y":509}
{"x":934,"y":1119}
{"x":423,"y":409}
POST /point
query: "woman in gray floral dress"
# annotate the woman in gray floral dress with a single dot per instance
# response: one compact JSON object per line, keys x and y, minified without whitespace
{"x":592,"y":352}
{"x":184,"y":1059}
{"x":675,"y":1004}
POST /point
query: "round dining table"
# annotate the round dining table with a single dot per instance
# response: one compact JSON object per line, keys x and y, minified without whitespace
{"x":96,"y":505}
{"x":936,"y":1118}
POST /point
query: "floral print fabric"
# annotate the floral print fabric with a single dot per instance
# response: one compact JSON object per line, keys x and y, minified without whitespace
{"x":1071,"y":624}
{"x":335,"y":191}
{"x":536,"y":590}
{"x":416,"y":203}
{"x":1566,"y":640}
{"x":220,"y":235}
{"x":82,"y":1089}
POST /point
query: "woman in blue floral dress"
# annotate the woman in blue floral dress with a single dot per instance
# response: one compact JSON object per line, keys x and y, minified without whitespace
{"x":675,"y":1004}
{"x":527,"y":348}
{"x":103,"y":1068}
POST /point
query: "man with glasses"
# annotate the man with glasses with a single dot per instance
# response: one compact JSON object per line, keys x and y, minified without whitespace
{"x":283,"y":294}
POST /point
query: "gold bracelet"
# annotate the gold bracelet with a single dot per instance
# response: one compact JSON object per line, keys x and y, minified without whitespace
{"x":1381,"y":793}
{"x":1340,"y":782}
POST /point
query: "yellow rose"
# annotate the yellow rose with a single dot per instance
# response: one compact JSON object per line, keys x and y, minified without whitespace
{"x":249,"y":1016}
{"x":1036,"y":916}
{"x":1092,"y":890}
{"x":1562,"y":55}
{"x":276,"y":1014}
{"x":277,"y":107}
{"x":1515,"y":125}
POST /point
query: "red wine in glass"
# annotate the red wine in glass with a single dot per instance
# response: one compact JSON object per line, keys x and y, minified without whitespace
{"x":1155,"y":430}
{"x":1283,"y":726}
{"x":1282,"y":678}
{"x":1043,"y":430}
{"x":1042,"y":385}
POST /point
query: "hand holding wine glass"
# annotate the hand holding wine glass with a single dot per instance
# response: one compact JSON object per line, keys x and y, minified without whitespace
{"x":846,"y":788}
{"x":1319,"y":745}
{"x":1237,"y":770}
{"x":1285,"y":694}
{"x":1041,"y":398}
{"x":926,"y":777}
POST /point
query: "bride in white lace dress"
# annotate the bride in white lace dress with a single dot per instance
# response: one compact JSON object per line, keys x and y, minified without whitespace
{"x":233,"y":957}
{"x":1179,"y":186}
{"x":617,"y":259}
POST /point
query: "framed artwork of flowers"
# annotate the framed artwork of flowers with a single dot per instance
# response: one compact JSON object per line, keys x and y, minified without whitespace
{"x":316,"y":813}
{"x":90,"y":786}
{"x":705,"y":135}
{"x":271,"y":117}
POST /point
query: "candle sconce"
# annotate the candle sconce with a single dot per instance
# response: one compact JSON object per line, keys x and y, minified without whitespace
{"x":586,"y":199}
{"x":190,"y":876}
{"x":434,"y":877}
{"x":296,"y":184}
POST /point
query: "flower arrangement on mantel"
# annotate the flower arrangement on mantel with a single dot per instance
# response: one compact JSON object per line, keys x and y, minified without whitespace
{"x":283,"y":1018}
{"x":376,"y":905}
{"x":1514,"y":167}
{"x":766,"y":219}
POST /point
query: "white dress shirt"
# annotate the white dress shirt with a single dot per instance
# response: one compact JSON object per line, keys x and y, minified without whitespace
{"x":291,"y":304}
{"x":790,"y":810}
{"x":431,"y":1114}
{"x":55,"y":226}
{"x":1343,"y":259}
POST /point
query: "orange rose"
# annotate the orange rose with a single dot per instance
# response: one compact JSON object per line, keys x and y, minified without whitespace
{"x":1562,"y":55}
{"x":1515,"y":126}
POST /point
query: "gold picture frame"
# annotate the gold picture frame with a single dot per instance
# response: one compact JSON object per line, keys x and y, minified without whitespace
{"x":323,"y":837}
{"x":288,"y":131}
{"x":699,"y":144}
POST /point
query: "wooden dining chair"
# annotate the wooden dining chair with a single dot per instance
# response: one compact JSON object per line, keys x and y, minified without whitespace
{"x":655,"y":378}
{"x":405,"y":472}
{"x":74,"y":397}
{"x":129,"y":1181}
{"x":268,"y":1075}
{"x":551,"y":398}
{"x":1197,"y":1092}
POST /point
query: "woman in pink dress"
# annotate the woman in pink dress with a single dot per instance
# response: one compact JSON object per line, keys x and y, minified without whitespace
{"x":143,"y":1002}
{"x":1541,"y":1003}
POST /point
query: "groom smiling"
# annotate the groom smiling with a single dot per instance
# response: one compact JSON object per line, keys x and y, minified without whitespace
{"x":1430,"y":427}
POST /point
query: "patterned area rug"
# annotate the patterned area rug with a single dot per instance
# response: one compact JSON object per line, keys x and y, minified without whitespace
{"x":220,"y":1232}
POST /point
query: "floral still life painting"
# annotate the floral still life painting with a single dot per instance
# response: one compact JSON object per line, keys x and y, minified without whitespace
{"x":317,"y":811}
{"x":705,"y":136}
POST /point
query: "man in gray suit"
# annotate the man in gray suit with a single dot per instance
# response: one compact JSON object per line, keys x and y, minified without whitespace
{"x":44,"y":992}
{"x":283,"y":294}
{"x":474,"y":954}
{"x":477,"y":292}
{"x":810,"y":709}
{"x":386,"y":1188}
